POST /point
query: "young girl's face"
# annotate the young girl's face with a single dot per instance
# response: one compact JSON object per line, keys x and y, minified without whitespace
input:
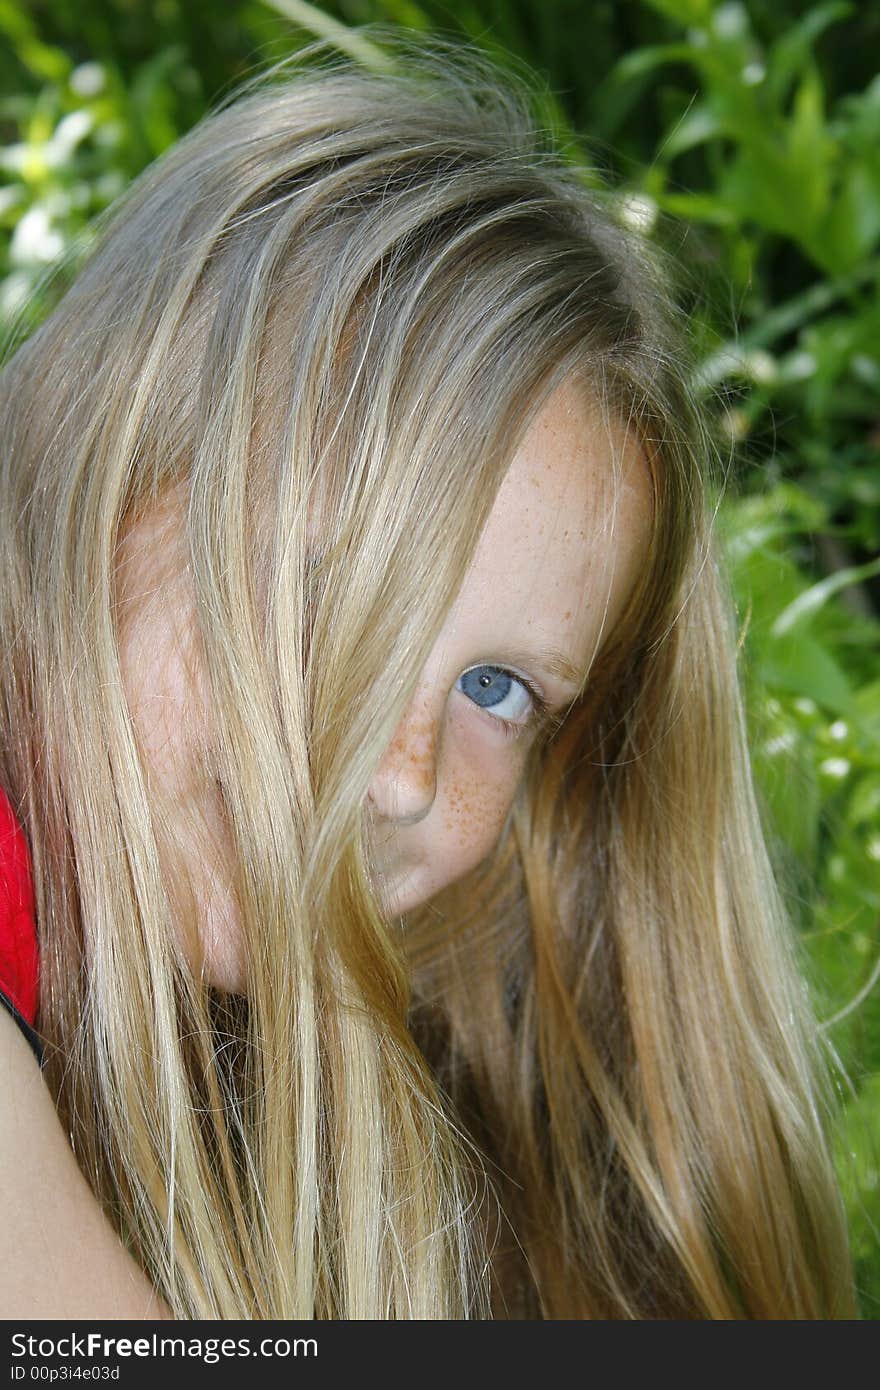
{"x":551,"y":573}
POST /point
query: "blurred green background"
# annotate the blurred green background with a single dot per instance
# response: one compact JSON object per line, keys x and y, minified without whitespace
{"x":745,"y":137}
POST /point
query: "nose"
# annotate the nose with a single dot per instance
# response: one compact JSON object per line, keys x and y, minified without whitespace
{"x":405,"y":784}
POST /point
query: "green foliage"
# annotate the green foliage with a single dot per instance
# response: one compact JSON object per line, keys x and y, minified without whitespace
{"x":785,"y":205}
{"x":72,"y":140}
{"x":744,"y":137}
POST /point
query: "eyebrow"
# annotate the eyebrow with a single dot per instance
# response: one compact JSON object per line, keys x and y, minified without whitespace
{"x":553,"y":662}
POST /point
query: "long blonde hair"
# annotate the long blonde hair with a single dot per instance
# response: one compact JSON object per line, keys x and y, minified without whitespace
{"x":582,"y":1081}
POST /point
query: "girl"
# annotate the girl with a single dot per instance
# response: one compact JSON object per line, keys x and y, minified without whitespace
{"x":408,"y":945}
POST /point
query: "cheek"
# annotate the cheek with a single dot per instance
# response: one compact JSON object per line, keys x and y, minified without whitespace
{"x":477,"y":791}
{"x":168,"y":707}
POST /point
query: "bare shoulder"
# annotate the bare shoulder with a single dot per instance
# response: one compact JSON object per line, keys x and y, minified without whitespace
{"x":61,"y":1257}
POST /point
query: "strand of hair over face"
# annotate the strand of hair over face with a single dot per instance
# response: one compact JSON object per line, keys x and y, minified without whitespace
{"x":581,"y":1082}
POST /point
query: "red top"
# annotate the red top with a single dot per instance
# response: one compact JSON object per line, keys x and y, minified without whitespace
{"x":18,"y":930}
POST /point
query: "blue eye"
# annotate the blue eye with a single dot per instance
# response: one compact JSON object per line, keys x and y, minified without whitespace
{"x":508,"y":698}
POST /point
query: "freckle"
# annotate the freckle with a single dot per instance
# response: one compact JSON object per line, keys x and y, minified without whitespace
{"x":566,"y":615}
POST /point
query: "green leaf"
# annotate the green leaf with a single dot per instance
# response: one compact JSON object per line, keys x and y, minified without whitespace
{"x":802,"y":666}
{"x":44,"y":61}
{"x":852,"y":227}
{"x":751,"y":522}
{"x":807,"y":604}
{"x":790,"y":52}
{"x":791,"y":789}
{"x":698,"y":207}
{"x":864,"y":807}
{"x":792,"y":314}
{"x":859,"y":1146}
{"x":324,"y":26}
{"x":697,"y":126}
{"x":643,"y":60}
{"x":13,"y":20}
{"x":809,"y":150}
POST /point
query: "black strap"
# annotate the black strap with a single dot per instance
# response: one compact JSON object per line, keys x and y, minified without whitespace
{"x":32,"y":1037}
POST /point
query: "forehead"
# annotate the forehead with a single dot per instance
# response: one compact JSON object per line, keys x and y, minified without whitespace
{"x":562,"y":546}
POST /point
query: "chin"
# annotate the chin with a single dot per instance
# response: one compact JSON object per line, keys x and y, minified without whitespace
{"x":223,"y":965}
{"x":409,"y":890}
{"x":225,"y":975}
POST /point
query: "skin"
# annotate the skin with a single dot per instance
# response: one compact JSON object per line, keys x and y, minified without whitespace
{"x":554,"y":567}
{"x":63,"y":1259}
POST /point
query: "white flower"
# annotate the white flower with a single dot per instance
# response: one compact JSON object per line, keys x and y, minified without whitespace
{"x":799,"y":365}
{"x":72,"y":128}
{"x":730,"y":21}
{"x":760,"y":366}
{"x":14,"y":291}
{"x":638,"y":211}
{"x":35,"y":239}
{"x":835,"y":767}
{"x":88,"y":79}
